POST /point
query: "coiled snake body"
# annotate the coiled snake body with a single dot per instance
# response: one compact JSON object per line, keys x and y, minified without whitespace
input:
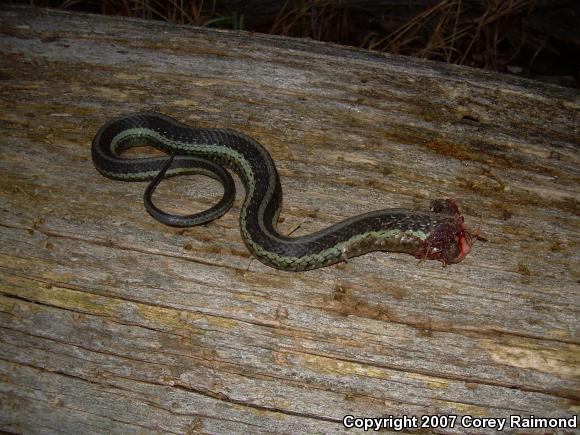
{"x":438,"y":235}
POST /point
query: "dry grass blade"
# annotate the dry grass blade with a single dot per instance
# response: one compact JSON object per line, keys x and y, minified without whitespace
{"x":490,"y":34}
{"x":460,"y":32}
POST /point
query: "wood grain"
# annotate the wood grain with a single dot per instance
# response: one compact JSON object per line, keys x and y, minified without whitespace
{"x":112,"y":322}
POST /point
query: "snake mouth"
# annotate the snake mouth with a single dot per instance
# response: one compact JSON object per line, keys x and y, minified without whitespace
{"x":463,"y":242}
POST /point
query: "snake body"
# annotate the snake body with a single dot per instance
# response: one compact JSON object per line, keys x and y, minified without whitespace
{"x":438,"y":234}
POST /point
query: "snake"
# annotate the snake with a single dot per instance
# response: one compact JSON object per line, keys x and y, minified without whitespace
{"x":437,"y":234}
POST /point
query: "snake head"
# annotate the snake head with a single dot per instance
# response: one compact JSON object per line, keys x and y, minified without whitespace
{"x":449,"y":241}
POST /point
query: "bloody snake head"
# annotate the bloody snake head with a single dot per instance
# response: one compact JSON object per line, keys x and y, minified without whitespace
{"x":449,"y":242}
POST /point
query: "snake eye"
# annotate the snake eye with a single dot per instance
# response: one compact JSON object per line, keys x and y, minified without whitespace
{"x":445,"y":206}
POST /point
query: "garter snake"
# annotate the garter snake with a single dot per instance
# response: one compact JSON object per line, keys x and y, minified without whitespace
{"x":438,"y":234}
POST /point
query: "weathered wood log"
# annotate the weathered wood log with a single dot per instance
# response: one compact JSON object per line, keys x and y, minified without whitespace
{"x":114,"y":323}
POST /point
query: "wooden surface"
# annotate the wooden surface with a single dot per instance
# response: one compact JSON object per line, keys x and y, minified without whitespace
{"x":114,"y":323}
